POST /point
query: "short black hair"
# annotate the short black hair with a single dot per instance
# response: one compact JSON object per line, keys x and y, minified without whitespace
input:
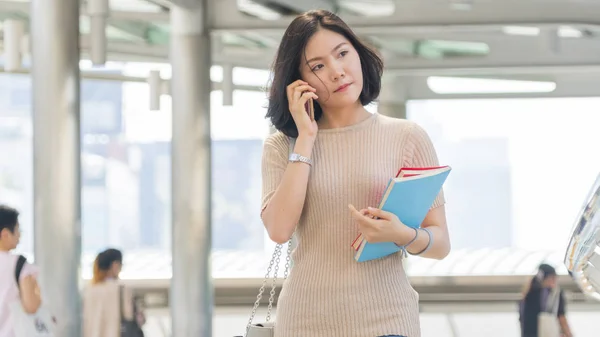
{"x":546,"y":270}
{"x":9,"y":218}
{"x":106,"y":258}
{"x":286,"y":68}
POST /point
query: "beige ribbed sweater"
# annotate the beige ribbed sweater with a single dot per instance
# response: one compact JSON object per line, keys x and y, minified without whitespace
{"x":327,"y":292}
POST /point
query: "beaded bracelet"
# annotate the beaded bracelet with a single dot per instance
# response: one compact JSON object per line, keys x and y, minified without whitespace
{"x":428,"y":244}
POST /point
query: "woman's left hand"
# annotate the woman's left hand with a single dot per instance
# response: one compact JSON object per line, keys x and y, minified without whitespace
{"x":381,"y":226}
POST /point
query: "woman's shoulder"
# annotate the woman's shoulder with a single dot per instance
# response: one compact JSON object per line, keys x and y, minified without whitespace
{"x":107,"y":286}
{"x":277,"y":141}
{"x":394,"y":122}
{"x":397,"y":126}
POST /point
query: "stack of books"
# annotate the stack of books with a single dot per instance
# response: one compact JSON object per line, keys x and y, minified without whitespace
{"x":409,"y":196}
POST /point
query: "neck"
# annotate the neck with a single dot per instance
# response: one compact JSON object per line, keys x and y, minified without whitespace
{"x":341,"y":117}
{"x":4,"y":248}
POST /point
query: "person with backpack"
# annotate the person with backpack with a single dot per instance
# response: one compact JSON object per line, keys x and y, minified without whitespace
{"x":543,"y":306}
{"x":18,"y":279}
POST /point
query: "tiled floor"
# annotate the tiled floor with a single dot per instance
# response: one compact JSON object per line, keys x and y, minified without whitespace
{"x":231,"y":321}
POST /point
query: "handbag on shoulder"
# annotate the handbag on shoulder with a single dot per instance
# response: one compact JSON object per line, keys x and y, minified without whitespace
{"x":267,"y":328}
{"x":39,"y":324}
{"x":129,"y":328}
{"x":548,"y":325}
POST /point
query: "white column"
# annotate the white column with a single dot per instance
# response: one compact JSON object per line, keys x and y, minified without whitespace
{"x":227,"y":85}
{"x":191,"y":298}
{"x":392,"y":98}
{"x":56,"y":150}
{"x":98,"y":11}
{"x":14,"y":31}
{"x":155,"y":86}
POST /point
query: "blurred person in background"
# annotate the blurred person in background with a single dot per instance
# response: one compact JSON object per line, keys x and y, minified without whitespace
{"x":26,"y":290}
{"x":542,"y":295}
{"x":109,"y":308}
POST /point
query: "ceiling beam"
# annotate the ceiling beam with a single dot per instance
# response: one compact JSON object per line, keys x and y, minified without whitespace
{"x":180,"y":3}
{"x":298,"y":6}
{"x":427,"y":13}
{"x":158,"y":17}
{"x":567,"y":85}
{"x":160,"y":54}
{"x":105,"y":76}
{"x":510,"y":56}
{"x":491,"y":70}
{"x":528,"y":58}
{"x":431,"y":17}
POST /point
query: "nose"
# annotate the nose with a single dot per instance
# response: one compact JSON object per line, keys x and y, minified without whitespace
{"x":338,"y":73}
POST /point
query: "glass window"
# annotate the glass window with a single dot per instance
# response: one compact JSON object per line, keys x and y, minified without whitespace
{"x":127,"y":169}
{"x":248,"y":76}
{"x":16,"y":146}
{"x":521,"y":170}
{"x":238,"y":133}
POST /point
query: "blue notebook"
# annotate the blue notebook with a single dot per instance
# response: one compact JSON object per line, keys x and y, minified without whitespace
{"x":409,"y":196}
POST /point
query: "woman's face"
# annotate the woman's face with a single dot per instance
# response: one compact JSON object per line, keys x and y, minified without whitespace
{"x":115,"y":269}
{"x":332,"y":66}
{"x":550,"y":282}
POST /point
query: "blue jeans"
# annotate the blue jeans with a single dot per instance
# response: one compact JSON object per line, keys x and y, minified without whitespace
{"x":391,"y":336}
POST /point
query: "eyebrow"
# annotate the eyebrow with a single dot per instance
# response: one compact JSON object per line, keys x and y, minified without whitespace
{"x":334,"y":49}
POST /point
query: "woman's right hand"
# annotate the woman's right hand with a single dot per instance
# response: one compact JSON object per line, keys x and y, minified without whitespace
{"x":298,"y":93}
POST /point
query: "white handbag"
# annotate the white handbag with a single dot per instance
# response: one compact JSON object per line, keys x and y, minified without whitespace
{"x":267,"y":328}
{"x":548,"y":325}
{"x":39,"y":324}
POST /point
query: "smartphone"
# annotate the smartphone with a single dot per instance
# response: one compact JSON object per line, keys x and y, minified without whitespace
{"x":310,"y":108}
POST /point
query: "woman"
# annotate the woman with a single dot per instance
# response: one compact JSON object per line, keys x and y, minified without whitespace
{"x":26,"y":290}
{"x":106,"y":303}
{"x":537,"y":298}
{"x":340,"y":165}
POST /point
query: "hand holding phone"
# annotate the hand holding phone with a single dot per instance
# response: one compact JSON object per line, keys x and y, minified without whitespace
{"x":301,"y":98}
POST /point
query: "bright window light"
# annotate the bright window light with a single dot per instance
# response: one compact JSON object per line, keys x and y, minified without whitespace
{"x":462,"y":85}
{"x":521,"y":30}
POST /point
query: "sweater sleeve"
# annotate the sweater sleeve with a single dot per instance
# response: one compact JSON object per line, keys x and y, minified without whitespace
{"x":421,"y":153}
{"x":274,"y":163}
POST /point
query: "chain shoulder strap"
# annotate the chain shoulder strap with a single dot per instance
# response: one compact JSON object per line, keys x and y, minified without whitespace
{"x":273,"y":265}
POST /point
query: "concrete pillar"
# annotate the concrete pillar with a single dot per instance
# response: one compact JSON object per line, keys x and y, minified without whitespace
{"x":392,"y":109}
{"x":191,"y":292}
{"x":56,"y":150}
{"x":393,"y":97}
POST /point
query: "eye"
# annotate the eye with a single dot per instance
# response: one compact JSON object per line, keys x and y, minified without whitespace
{"x":317,"y":67}
{"x":343,"y":53}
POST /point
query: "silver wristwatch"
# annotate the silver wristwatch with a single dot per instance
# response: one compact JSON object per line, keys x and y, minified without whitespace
{"x":294,"y":157}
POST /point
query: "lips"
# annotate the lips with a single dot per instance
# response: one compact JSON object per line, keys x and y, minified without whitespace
{"x":343,"y":87}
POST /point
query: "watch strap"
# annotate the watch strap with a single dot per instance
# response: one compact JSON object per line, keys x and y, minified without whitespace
{"x":295,"y":157}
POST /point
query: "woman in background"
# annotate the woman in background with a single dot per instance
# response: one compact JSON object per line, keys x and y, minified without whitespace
{"x":537,"y":298}
{"x":106,"y":302}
